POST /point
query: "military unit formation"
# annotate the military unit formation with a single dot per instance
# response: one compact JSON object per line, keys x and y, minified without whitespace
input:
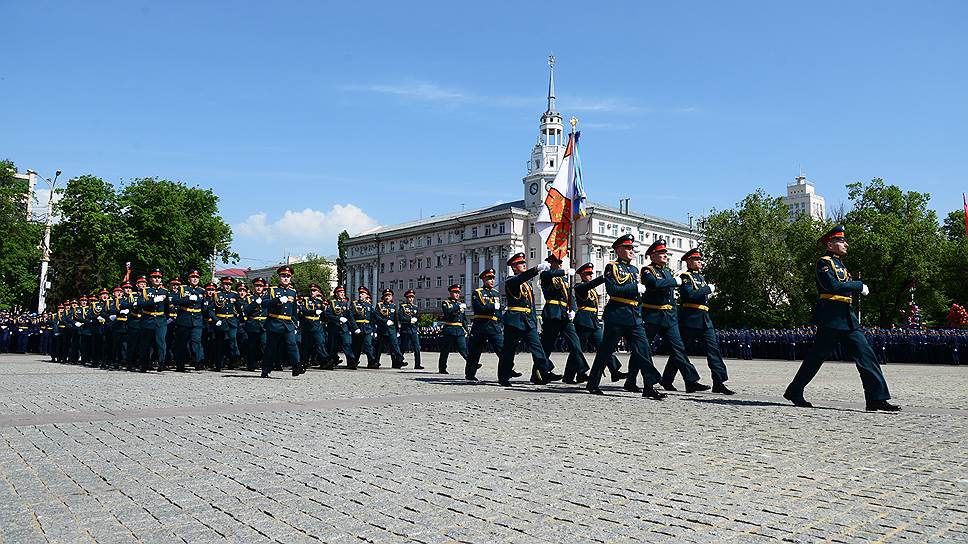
{"x":148,"y":326}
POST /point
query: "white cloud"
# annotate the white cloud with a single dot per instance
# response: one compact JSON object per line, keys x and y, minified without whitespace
{"x":421,"y":90}
{"x":306,"y":225}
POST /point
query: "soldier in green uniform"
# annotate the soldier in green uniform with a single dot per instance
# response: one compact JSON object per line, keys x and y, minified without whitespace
{"x":363,"y":334}
{"x":487,"y":323}
{"x":520,"y":324}
{"x":100,"y":330}
{"x":208,"y":327}
{"x":409,"y":330}
{"x":556,"y":320}
{"x":85,"y":316}
{"x":281,"y":325}
{"x":694,"y":321}
{"x":339,"y":315}
{"x":587,"y":324}
{"x":313,"y":341}
{"x":388,"y":330}
{"x":837,"y":324}
{"x":188,"y":302}
{"x":132,"y":358}
{"x":154,"y":322}
{"x":226,"y":325}
{"x":454,"y":335}
{"x":255,"y":307}
{"x":624,"y":320}
{"x":660,"y":317}
{"x":241,"y":334}
{"x":118,"y":308}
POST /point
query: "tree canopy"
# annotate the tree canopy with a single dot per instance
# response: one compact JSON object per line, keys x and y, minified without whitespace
{"x":20,"y":243}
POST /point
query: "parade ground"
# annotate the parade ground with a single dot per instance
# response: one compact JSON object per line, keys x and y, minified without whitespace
{"x":414,"y":456}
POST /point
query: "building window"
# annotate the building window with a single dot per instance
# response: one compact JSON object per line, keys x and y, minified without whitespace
{"x":601,"y":227}
{"x":411,"y":284}
{"x":381,"y":268}
{"x":473,"y":232}
{"x":428,"y":262}
{"x":391,"y":266}
{"x":463,"y":258}
{"x":500,"y":228}
{"x":487,"y":230}
{"x":440,"y":239}
{"x":450,"y":280}
{"x":532,"y":253}
{"x":531,"y":227}
{"x":392,"y":244}
{"x":615,"y":230}
{"x":440,"y":281}
{"x":450,"y":260}
{"x":461,"y":282}
{"x":429,"y":241}
{"x":440,"y":260}
{"x":450,"y":237}
{"x":419,"y":264}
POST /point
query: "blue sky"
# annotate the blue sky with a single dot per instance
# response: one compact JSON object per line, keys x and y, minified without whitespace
{"x":307,"y":118}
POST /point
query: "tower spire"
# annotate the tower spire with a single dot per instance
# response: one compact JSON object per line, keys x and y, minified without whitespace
{"x":551,"y":84}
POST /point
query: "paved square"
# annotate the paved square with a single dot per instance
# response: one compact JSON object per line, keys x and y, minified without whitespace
{"x":405,"y":456}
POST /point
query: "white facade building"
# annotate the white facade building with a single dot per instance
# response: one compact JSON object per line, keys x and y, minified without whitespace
{"x":430,"y":254}
{"x":802,"y":199}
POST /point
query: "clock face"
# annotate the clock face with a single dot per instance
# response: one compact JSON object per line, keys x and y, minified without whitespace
{"x":533,"y":188}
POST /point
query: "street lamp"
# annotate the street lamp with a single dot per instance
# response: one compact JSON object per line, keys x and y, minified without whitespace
{"x":45,"y":247}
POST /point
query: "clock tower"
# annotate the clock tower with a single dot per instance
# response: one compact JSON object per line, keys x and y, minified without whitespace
{"x":547,"y":152}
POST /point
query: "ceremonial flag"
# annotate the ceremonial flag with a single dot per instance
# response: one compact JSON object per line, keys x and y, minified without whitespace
{"x":565,"y":201}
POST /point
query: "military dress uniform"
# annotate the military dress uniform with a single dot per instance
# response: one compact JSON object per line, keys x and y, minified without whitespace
{"x":556,"y":315}
{"x":388,"y":331}
{"x":623,"y":319}
{"x":313,"y":341}
{"x":695,"y":323}
{"x":363,"y":334}
{"x":587,"y":324}
{"x":409,"y":329}
{"x":339,"y":316}
{"x":255,"y":307}
{"x":837,"y":324}
{"x":188,"y":324}
{"x":454,"y":335}
{"x":487,"y":327}
{"x":520,"y":325}
{"x":281,"y":328}
{"x":661,"y":318}
{"x":154,"y":323}
{"x":226,"y":325}
{"x":119,"y":306}
{"x":100,"y":330}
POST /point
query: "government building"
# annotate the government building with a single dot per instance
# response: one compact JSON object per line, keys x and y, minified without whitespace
{"x":430,"y":254}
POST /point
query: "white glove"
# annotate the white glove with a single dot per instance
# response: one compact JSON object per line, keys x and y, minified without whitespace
{"x":641,"y":288}
{"x":318,"y":312}
{"x":218,"y":323}
{"x":398,"y":335}
{"x":100,"y":319}
{"x":171,"y":320}
{"x":125,"y":311}
{"x":571,"y":271}
{"x":193,"y":298}
{"x":678,"y":280}
{"x":374,"y":335}
{"x":78,"y":323}
{"x":112,"y":317}
{"x":712,"y":289}
{"x":463,"y":306}
{"x":159,"y":298}
{"x":258,"y":300}
{"x":284,"y":299}
{"x":389,"y":322}
{"x":413,"y":320}
{"x":357,"y":331}
{"x":497,"y":304}
{"x":571,"y":314}
{"x":864,"y":290}
{"x":544,"y":267}
{"x":342,"y":320}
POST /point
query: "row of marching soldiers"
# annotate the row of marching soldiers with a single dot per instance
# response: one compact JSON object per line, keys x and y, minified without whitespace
{"x":150,"y":326}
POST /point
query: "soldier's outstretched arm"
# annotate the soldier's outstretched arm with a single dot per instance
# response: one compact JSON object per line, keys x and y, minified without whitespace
{"x":514,"y":282}
{"x":652,"y":282}
{"x":827,"y":278}
{"x":688,"y":292}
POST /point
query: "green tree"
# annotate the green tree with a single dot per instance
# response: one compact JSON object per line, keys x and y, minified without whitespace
{"x":315,"y":269}
{"x":341,"y":258}
{"x":953,"y":258}
{"x":19,"y":245}
{"x":894,"y":243}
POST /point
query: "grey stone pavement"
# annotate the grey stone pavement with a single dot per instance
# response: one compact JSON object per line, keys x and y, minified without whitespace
{"x":407,"y":456}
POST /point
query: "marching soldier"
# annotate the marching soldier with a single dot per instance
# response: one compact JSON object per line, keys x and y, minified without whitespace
{"x":660,"y":316}
{"x":281,"y":326}
{"x":226,"y":325}
{"x":487,"y":318}
{"x":556,"y":316}
{"x":133,"y":355}
{"x":837,"y":323}
{"x":118,"y":308}
{"x":188,"y":322}
{"x":208,"y":327}
{"x":520,"y":325}
{"x":154,"y":322}
{"x":587,"y":325}
{"x":241,"y":334}
{"x":624,"y":320}
{"x":85,"y":330}
{"x":388,"y":330}
{"x":363,"y":334}
{"x":339,"y":316}
{"x":256,"y":310}
{"x":694,"y":321}
{"x":409,"y":331}
{"x":454,"y":335}
{"x":313,"y":336}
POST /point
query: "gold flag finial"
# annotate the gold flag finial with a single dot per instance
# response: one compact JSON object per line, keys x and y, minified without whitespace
{"x":574,"y":123}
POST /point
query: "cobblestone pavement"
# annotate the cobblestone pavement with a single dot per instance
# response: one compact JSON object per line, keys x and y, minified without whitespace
{"x":405,"y":456}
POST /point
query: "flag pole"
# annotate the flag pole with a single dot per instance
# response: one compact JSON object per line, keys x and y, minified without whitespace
{"x":573,"y":239}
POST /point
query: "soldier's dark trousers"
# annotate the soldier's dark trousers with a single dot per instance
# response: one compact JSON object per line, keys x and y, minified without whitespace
{"x":388,"y":343}
{"x":85,"y":347}
{"x":593,"y":337}
{"x":225,"y":344}
{"x":103,"y":347}
{"x":342,"y":340}
{"x":514,"y":336}
{"x":551,"y":329}
{"x":118,"y":342}
{"x":188,"y":344}
{"x":257,"y":348}
{"x":857,"y":347}
{"x":678,"y":362}
{"x":706,"y":338}
{"x":280,"y":345}
{"x":313,"y":345}
{"x":448,"y":344}
{"x":153,"y":341}
{"x":73,"y":347}
{"x":410,"y":340}
{"x":641,"y":355}
{"x":478,"y":340}
{"x":362,"y":344}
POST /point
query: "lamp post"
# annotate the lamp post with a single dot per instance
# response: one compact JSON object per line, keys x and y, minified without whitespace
{"x":45,"y":246}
